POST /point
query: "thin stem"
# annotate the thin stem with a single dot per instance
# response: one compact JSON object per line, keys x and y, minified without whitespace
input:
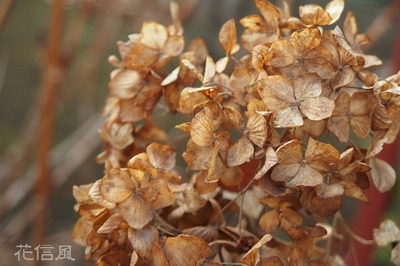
{"x":354,"y":236}
{"x":237,"y":196}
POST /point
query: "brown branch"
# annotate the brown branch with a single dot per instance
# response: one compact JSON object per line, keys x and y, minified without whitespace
{"x":51,"y":80}
{"x":5,"y":8}
{"x":382,"y":23}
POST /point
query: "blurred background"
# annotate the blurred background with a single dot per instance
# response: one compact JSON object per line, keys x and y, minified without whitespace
{"x":53,"y":83}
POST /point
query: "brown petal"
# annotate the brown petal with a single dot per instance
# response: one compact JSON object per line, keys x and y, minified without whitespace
{"x":290,"y":152}
{"x":306,"y":39}
{"x":157,"y":194}
{"x":383,"y":175}
{"x":350,"y":27}
{"x":141,"y":162}
{"x":325,"y":191}
{"x":339,"y":126}
{"x":227,"y":37}
{"x":287,"y":117}
{"x":82,"y":229}
{"x":197,"y":157}
{"x":126,"y":83}
{"x":360,"y":103}
{"x":136,"y":212}
{"x":161,"y":156}
{"x":317,"y":108}
{"x":314,"y":15}
{"x":361,"y":125}
{"x":240,"y":152}
{"x":186,"y":250}
{"x":142,"y":239}
{"x":112,"y":223}
{"x":256,"y":126}
{"x":202,"y":128}
{"x":154,"y":35}
{"x":285,"y":172}
{"x":174,"y":45}
{"x":117,"y":185}
{"x":269,"y":222}
{"x":351,"y":189}
{"x":250,"y":257}
{"x":307,"y":85}
{"x":271,"y":159}
{"x":282,"y":53}
{"x":189,"y":101}
{"x":276,"y":92}
{"x":270,"y":13}
{"x":335,"y":9}
{"x":321,"y":152}
{"x":306,"y":176}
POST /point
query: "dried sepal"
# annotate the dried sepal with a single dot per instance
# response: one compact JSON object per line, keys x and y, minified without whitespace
{"x":383,"y":175}
{"x":315,"y":15}
{"x":228,"y":38}
{"x":185,"y":250}
{"x":240,"y":152}
{"x":387,"y":233}
{"x":202,"y":128}
{"x":250,"y":257}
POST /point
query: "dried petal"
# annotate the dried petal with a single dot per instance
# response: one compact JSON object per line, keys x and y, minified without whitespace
{"x":161,"y":156}
{"x":383,"y":175}
{"x":202,"y":128}
{"x":387,"y":233}
{"x":271,"y":159}
{"x":228,"y":38}
{"x":269,"y":222}
{"x":240,"y":152}
{"x":117,"y":185}
{"x":142,"y":239}
{"x":178,"y":248}
{"x":154,"y":35}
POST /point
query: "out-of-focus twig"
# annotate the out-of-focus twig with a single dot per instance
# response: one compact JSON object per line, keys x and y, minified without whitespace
{"x":66,"y":157}
{"x":51,"y":80}
{"x":5,"y":8}
{"x":3,"y":70}
{"x":382,"y":23}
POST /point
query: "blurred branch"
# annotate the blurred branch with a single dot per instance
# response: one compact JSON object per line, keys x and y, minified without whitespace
{"x":51,"y":81}
{"x":382,"y":23}
{"x":66,"y":157}
{"x":3,"y":70}
{"x":5,"y":8}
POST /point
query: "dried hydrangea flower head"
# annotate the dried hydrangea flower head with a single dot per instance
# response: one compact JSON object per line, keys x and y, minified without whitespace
{"x":299,"y":86}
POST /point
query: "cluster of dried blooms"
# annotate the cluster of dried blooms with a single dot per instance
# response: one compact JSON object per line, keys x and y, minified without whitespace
{"x":298,"y":87}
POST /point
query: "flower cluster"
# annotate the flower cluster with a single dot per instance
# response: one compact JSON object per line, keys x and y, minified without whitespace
{"x":297,"y":88}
